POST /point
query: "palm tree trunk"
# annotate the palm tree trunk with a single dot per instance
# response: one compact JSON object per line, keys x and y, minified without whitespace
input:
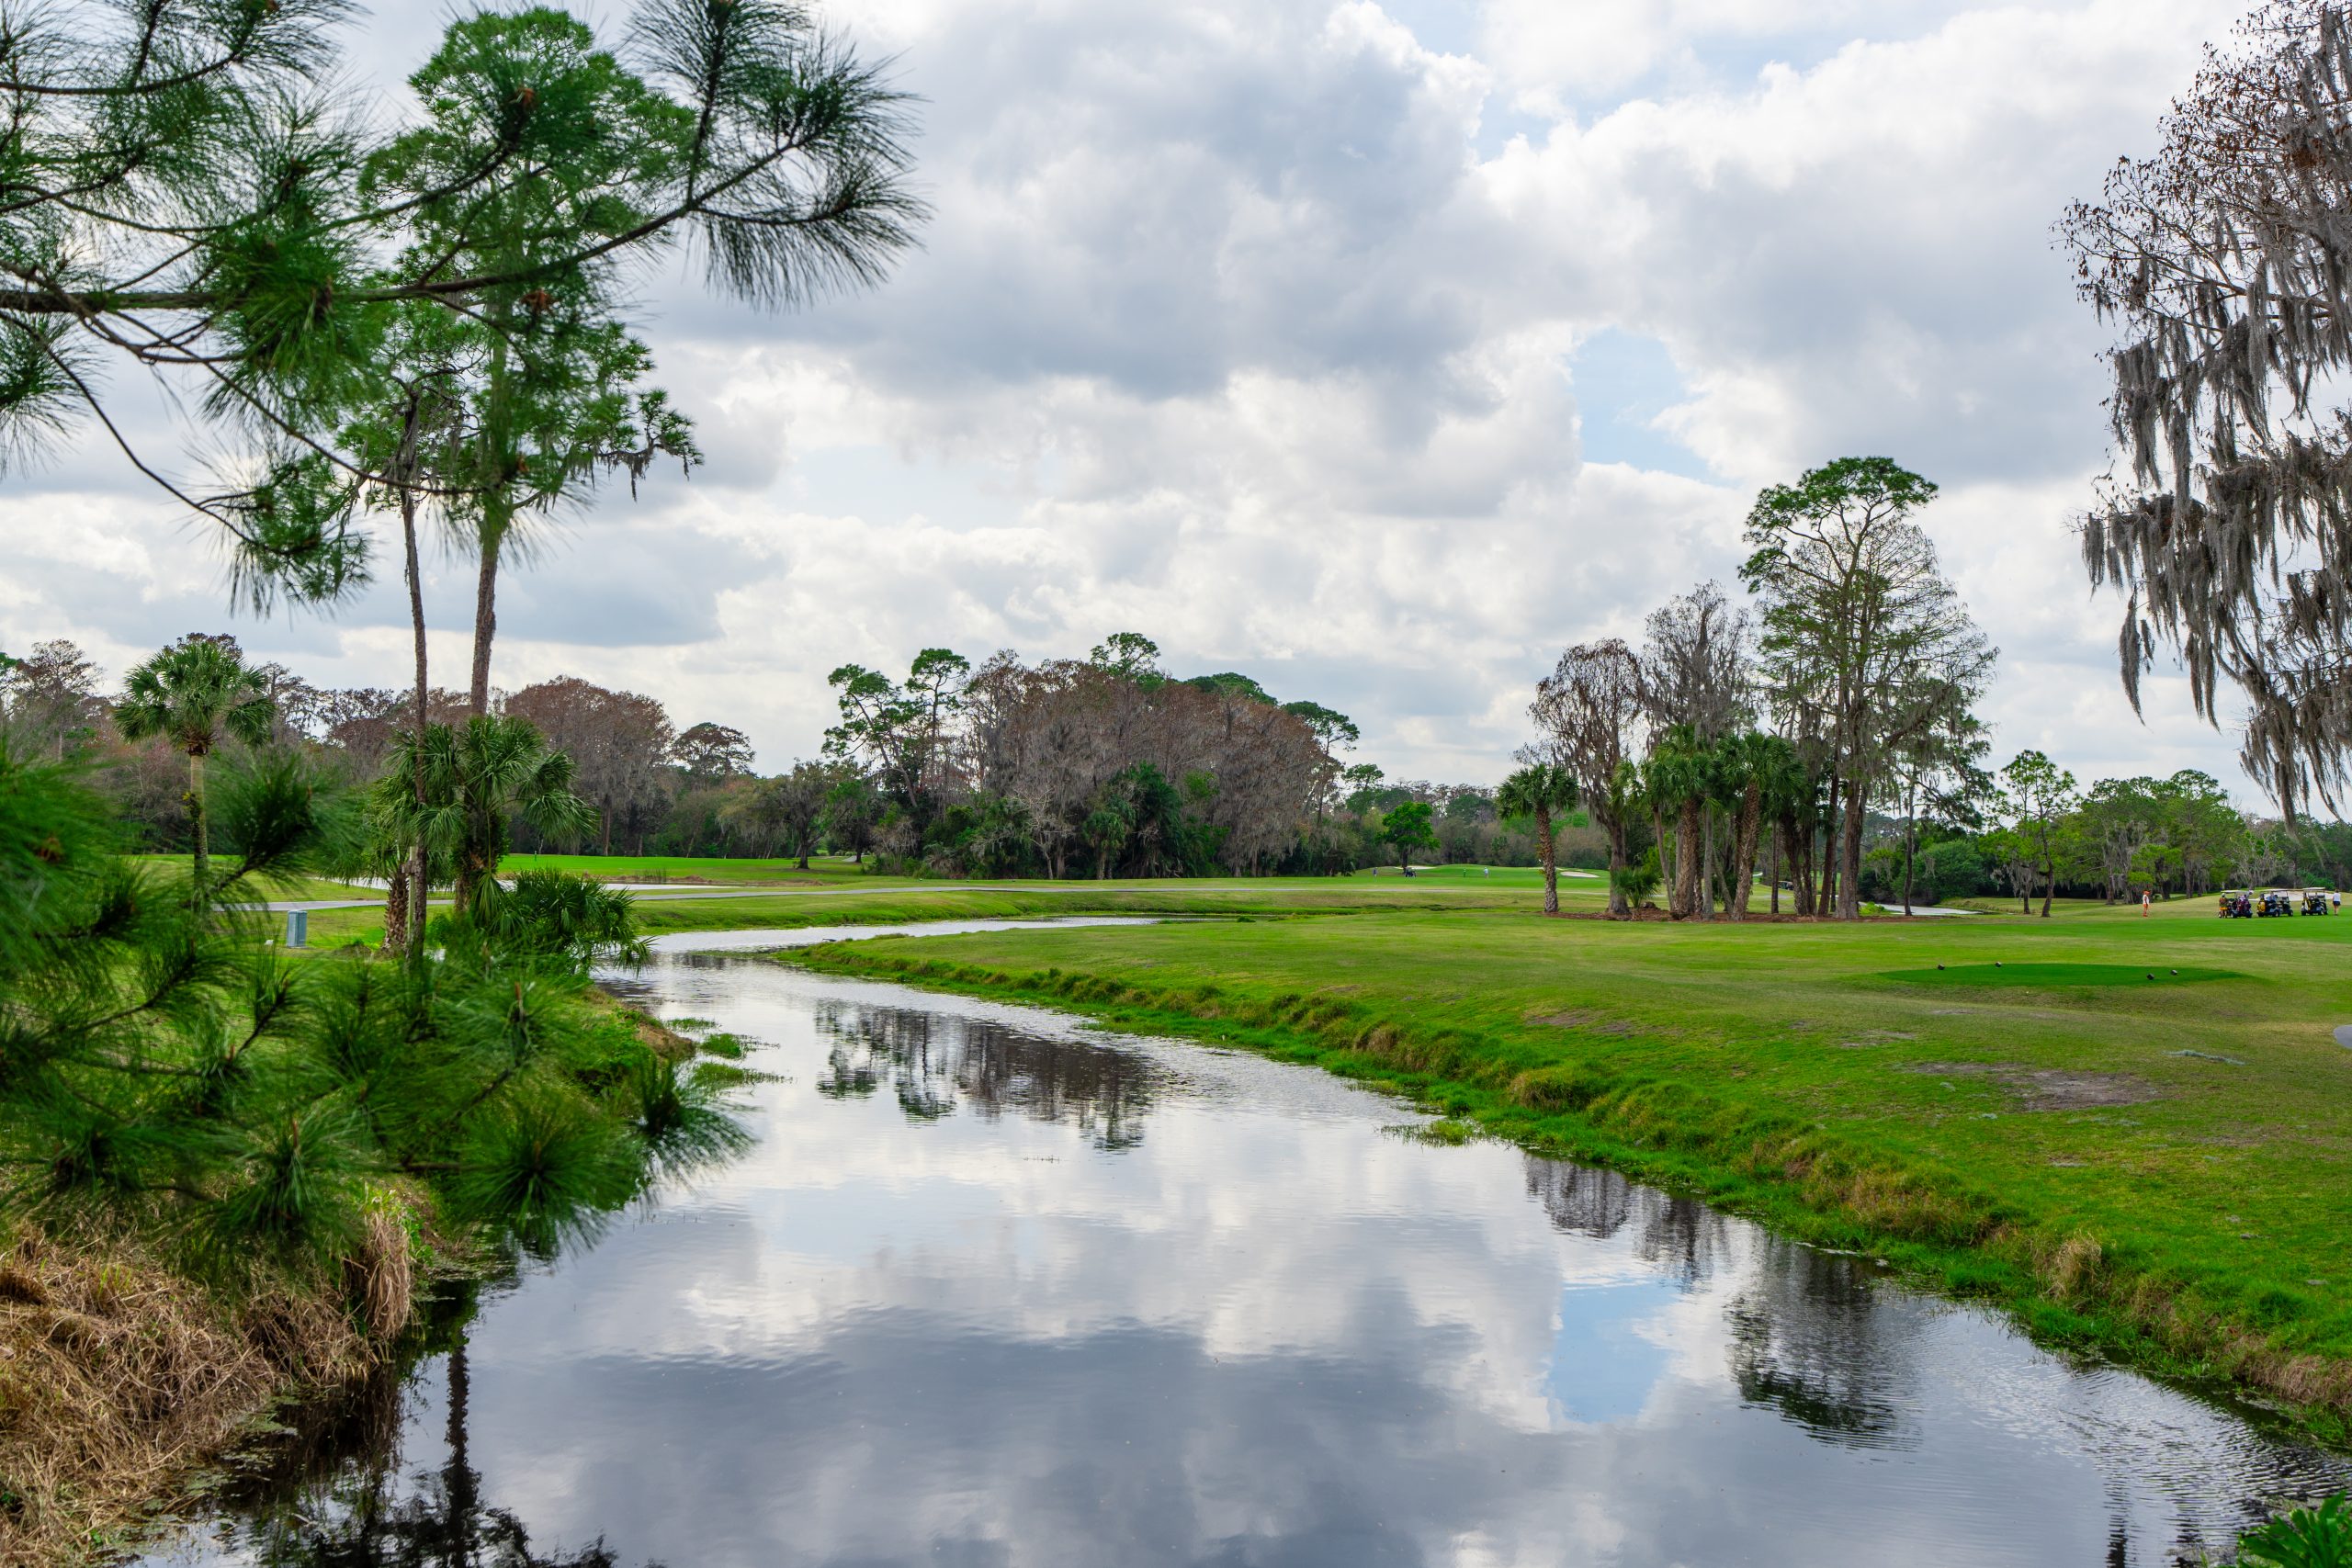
{"x":1801,"y":871}
{"x":1684,"y":903}
{"x":1822,"y":903}
{"x":396,"y":931}
{"x":1617,"y":908}
{"x":203,"y":857}
{"x":1665,"y":856}
{"x":1551,"y":864}
{"x":1750,"y":824}
{"x":1910,"y":838}
{"x":1707,"y":867}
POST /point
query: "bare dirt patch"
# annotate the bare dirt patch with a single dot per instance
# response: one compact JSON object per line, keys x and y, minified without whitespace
{"x":1592,"y":1022}
{"x":1871,"y":1039}
{"x":2048,"y":1089}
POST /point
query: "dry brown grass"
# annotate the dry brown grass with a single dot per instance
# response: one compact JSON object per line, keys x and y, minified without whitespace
{"x":119,"y":1377}
{"x":2073,"y":1267}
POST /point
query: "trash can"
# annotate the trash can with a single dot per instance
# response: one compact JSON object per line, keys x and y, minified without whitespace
{"x":297,"y":928}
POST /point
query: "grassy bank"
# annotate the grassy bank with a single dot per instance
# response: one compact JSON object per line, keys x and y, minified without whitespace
{"x":2130,"y":1133}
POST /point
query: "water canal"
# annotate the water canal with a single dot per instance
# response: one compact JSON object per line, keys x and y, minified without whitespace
{"x":993,"y":1291}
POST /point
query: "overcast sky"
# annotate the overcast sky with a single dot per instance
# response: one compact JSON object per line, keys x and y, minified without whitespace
{"x":1377,"y":351}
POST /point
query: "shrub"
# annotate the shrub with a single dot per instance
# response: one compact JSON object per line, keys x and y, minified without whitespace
{"x":2301,"y":1538}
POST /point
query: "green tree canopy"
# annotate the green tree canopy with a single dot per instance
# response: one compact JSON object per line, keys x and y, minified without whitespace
{"x":1407,"y":827}
{"x":195,"y":694}
{"x":1865,"y":644}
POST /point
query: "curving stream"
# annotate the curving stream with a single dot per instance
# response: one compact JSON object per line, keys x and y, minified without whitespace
{"x":994,"y":1290}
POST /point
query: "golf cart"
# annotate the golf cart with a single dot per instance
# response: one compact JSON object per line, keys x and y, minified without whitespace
{"x":2276,"y":902}
{"x":2315,"y":901}
{"x":2237,"y":904}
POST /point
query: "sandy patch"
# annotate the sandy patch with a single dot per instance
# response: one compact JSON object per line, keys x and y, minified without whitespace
{"x":2048,"y":1089}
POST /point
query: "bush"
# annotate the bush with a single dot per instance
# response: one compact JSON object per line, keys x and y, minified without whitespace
{"x":1637,"y":881}
{"x":554,"y":917}
{"x":165,"y":1072}
{"x":2302,"y":1538}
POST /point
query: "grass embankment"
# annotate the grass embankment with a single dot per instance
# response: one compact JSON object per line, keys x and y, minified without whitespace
{"x":2154,"y":1164}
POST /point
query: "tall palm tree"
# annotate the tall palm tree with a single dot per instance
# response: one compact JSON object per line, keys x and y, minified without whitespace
{"x":1789,"y":799}
{"x":1539,"y":790}
{"x":1746,"y":768}
{"x":1674,"y":779}
{"x":478,"y":777}
{"x":195,"y":693}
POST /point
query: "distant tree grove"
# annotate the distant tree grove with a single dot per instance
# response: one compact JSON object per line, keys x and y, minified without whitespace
{"x":1102,"y":767}
{"x":1827,"y":744}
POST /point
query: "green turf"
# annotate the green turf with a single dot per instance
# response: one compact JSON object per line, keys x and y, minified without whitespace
{"x":691,"y":868}
{"x":255,"y":890}
{"x":2161,"y":1170}
{"x":892,"y":900}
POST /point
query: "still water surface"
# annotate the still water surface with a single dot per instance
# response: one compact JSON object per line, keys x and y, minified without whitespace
{"x":995,"y":1292}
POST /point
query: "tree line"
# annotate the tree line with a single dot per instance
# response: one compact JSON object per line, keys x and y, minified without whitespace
{"x":1102,"y":767}
{"x":650,"y":786}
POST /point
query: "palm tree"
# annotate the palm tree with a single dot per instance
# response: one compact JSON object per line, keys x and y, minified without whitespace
{"x":1788,"y":798}
{"x":1622,"y":803}
{"x":1539,"y":790}
{"x":476,"y":777}
{"x":1742,"y":764}
{"x":1674,"y":780}
{"x":195,"y":693}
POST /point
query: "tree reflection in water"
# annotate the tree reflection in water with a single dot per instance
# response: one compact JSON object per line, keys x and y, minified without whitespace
{"x":1681,"y":1235}
{"x":360,"y":1517}
{"x":933,"y":1062}
{"x":1809,"y":1336}
{"x":329,"y":1493}
{"x":1812,"y":1340}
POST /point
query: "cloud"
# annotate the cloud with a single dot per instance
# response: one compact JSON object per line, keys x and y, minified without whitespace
{"x":1376,"y":350}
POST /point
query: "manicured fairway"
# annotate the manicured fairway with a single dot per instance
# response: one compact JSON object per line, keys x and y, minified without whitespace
{"x":858,"y":900}
{"x":2159,"y":1166}
{"x":688,"y":868}
{"x":257,"y":891}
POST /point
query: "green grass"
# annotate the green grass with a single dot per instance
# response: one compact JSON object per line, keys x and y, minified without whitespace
{"x":2159,"y":1171}
{"x":691,"y":868}
{"x":256,"y":891}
